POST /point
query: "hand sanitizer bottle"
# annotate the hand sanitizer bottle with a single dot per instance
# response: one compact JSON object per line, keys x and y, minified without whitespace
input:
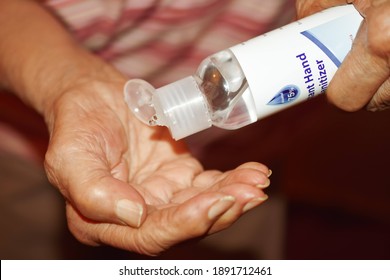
{"x":239,"y":85}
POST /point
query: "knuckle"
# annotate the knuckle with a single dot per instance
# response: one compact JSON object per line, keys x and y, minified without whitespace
{"x":96,"y":194}
{"x":81,"y":236}
{"x":52,"y":166}
{"x":381,"y":100}
{"x":379,"y":28}
{"x":86,"y":196}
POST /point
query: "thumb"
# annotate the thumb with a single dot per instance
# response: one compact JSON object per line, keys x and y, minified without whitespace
{"x":87,"y":183}
{"x":359,"y":77}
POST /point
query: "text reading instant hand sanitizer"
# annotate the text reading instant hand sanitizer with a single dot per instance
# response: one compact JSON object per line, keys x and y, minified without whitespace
{"x":238,"y":86}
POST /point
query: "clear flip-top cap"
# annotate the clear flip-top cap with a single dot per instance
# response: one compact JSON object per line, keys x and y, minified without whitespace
{"x":180,"y":106}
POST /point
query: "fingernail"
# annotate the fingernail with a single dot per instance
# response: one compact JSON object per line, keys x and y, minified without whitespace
{"x":129,"y":212}
{"x":221,"y":206}
{"x":269,"y":173}
{"x":264,"y":185}
{"x":254,"y":202}
{"x":372,"y":108}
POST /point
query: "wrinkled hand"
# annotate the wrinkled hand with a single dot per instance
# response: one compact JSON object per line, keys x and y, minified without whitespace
{"x":131,"y":186}
{"x":364,"y":77}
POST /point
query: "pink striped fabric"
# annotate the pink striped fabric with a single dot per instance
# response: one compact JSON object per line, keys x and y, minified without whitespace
{"x":157,"y":40}
{"x":161,"y":41}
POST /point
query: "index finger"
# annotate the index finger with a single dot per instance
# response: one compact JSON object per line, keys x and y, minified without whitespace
{"x":308,"y":7}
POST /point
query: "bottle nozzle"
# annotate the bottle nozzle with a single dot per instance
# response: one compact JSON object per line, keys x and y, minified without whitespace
{"x":180,"y":106}
{"x":139,"y":98}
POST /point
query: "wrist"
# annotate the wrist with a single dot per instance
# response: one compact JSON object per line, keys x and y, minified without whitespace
{"x":85,"y":76}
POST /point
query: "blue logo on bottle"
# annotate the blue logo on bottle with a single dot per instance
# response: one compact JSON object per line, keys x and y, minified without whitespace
{"x":286,"y":95}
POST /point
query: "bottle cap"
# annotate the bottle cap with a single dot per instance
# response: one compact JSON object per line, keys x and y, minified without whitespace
{"x":181,"y":106}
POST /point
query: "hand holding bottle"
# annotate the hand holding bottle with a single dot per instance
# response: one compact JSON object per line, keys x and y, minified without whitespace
{"x":237,"y":86}
{"x":364,"y":77}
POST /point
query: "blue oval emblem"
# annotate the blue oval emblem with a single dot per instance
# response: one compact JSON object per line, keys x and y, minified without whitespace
{"x":286,"y":95}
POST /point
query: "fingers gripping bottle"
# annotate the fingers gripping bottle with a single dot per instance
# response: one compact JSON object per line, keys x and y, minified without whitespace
{"x":238,"y":86}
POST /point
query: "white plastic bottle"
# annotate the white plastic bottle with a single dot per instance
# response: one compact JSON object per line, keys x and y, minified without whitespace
{"x":238,"y":86}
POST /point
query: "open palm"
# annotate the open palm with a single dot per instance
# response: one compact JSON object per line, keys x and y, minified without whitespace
{"x":131,"y":186}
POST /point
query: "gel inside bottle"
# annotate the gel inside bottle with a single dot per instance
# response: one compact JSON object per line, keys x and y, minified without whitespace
{"x":237,"y":86}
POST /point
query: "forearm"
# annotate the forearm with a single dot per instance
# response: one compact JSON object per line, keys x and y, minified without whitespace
{"x":38,"y":57}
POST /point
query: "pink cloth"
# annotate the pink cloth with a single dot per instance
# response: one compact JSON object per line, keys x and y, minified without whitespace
{"x":159,"y":41}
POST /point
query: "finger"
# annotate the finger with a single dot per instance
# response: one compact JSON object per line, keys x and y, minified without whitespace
{"x":85,"y":180}
{"x":359,"y":76}
{"x":308,"y":7}
{"x":247,"y":197}
{"x":363,"y":5}
{"x":251,"y":173}
{"x":381,"y":99}
{"x":161,"y":230}
{"x":205,"y":213}
{"x":251,"y":176}
{"x":379,"y":28}
{"x":257,"y":166}
{"x":379,"y":39}
{"x":201,"y":215}
{"x":246,"y":184}
{"x":80,"y":227}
